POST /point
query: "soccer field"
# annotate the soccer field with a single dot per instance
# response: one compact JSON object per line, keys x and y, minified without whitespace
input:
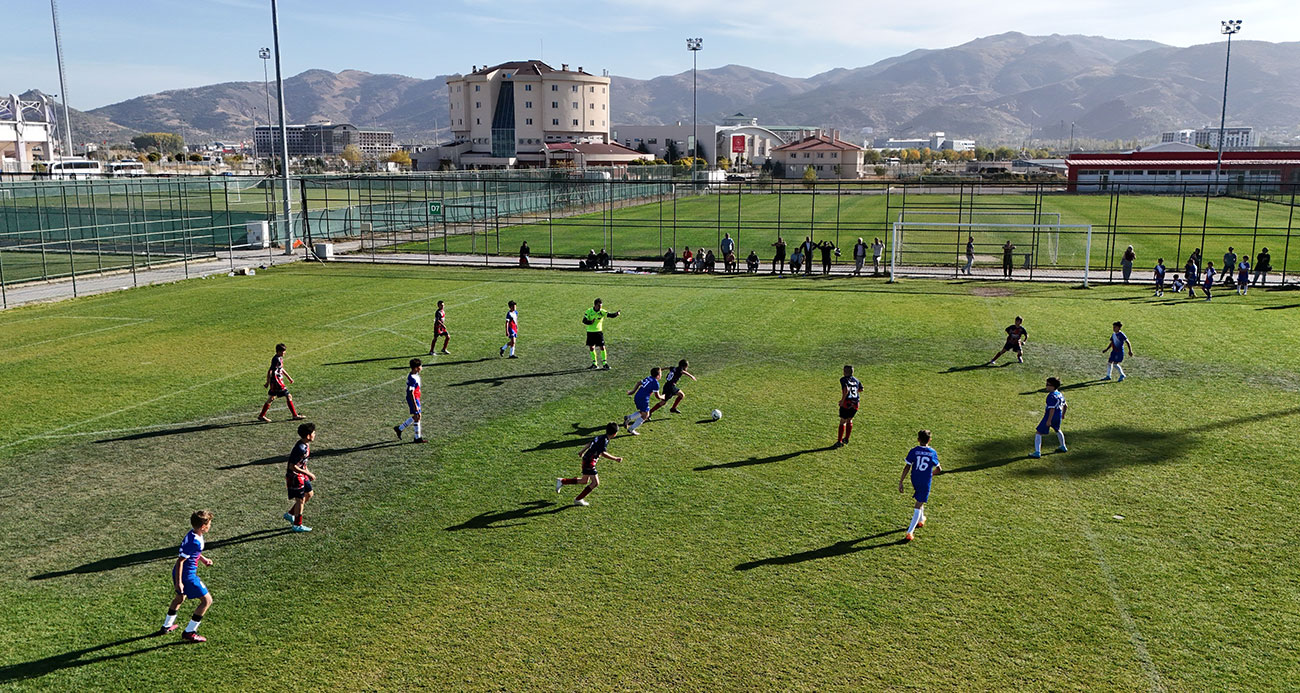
{"x":743,"y":554}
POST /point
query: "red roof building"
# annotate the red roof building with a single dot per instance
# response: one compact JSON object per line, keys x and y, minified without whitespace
{"x":1175,"y":167}
{"x":826,"y":154}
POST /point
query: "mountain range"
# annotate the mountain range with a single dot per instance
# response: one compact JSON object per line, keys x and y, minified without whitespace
{"x":1007,"y":88}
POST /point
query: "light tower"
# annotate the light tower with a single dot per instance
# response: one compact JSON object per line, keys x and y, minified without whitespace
{"x":1230,"y":27}
{"x":694,"y":45}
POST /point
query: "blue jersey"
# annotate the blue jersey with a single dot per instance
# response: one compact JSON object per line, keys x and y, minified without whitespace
{"x":1209,"y":276}
{"x":413,"y":387}
{"x":923,"y":460}
{"x":1117,"y":340}
{"x":1055,"y":408}
{"x":1160,"y":272}
{"x":191,"y":549}
{"x":648,"y":386}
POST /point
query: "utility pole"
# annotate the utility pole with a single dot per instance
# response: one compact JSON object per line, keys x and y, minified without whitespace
{"x":284,"y":135}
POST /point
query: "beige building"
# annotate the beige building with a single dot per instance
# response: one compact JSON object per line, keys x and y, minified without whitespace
{"x":826,"y":154}
{"x":25,"y":133}
{"x":507,"y":113}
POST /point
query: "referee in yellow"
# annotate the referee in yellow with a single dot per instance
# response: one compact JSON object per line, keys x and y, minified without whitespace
{"x":594,"y":320}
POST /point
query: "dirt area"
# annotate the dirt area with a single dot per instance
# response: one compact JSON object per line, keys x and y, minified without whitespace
{"x":991,"y":291}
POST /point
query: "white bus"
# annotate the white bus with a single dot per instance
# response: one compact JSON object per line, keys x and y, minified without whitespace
{"x":125,"y":167}
{"x":75,"y":169}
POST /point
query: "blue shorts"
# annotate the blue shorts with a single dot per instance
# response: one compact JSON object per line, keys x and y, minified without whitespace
{"x":1116,"y":355}
{"x":921,"y":489}
{"x":642,"y":404}
{"x":511,"y":333}
{"x":413,"y":405}
{"x":1045,"y":426}
{"x":192,"y":587}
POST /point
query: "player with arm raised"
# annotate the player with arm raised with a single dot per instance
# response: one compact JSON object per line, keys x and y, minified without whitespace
{"x":671,"y":387}
{"x":594,"y":320}
{"x":1017,"y":335}
{"x":596,"y":449}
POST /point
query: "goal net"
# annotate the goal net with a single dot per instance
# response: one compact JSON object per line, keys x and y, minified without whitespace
{"x":1049,"y":222}
{"x":928,"y":243}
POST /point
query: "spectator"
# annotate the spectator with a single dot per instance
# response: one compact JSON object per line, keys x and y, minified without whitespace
{"x":524,"y":252}
{"x":700,"y":257}
{"x":796,"y":260}
{"x":1126,"y":263}
{"x":710,"y":262}
{"x":727,"y":246}
{"x":807,"y":248}
{"x":751,"y":262}
{"x":1007,"y":249}
{"x":670,"y":261}
{"x":877,"y":252}
{"x":603,"y":259}
{"x":1229,"y":264}
{"x":1262,"y":267}
{"x":591,"y":259}
{"x":859,"y":257}
{"x":826,"y":247}
{"x":687,"y":258}
{"x":970,"y":254}
{"x":778,"y":259}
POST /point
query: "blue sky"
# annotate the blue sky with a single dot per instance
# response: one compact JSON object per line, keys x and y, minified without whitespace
{"x":118,"y":49}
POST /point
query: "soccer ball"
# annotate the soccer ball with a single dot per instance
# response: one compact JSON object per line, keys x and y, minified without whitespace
{"x":717,"y":414}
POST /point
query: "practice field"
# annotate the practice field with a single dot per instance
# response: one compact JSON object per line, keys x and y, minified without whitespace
{"x":743,"y":554}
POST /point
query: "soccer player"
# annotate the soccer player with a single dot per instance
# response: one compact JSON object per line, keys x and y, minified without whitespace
{"x":185,"y":578}
{"x":922,"y":462}
{"x":512,"y":329}
{"x":1051,"y":418}
{"x":594,"y":319}
{"x":596,"y":449}
{"x":1209,"y":280}
{"x":1160,"y":277}
{"x":1178,"y":284}
{"x":440,"y":329}
{"x":1016,"y":337}
{"x":778,"y":259}
{"x":641,"y":398}
{"x":671,"y":387}
{"x":1118,"y":340}
{"x":298,"y":478}
{"x":1243,"y":276}
{"x":850,"y":392}
{"x":412,"y":401}
{"x":275,"y":386}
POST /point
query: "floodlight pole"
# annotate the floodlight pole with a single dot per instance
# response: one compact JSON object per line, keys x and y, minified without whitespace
{"x":694,"y":45}
{"x":265,"y":55}
{"x":63,"y":87}
{"x":284,"y":135}
{"x":1229,"y":27}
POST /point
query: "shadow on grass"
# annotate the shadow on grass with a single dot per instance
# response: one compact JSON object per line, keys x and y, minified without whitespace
{"x":493,"y":519}
{"x":978,"y":366}
{"x":376,"y":359}
{"x":1072,"y":386}
{"x":68,"y":660}
{"x":315,"y":454}
{"x":580,"y":430}
{"x":141,"y":557}
{"x":839,"y":548}
{"x":1289,"y":305}
{"x":499,"y":380}
{"x":144,"y":435}
{"x":430,"y":364}
{"x":762,"y":460}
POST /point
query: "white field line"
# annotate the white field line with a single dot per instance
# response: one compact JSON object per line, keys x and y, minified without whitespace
{"x":401,"y":305}
{"x":69,"y":317}
{"x":139,"y":321}
{"x":199,"y":386}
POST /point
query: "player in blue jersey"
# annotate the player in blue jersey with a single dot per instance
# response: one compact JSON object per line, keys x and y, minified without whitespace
{"x":850,"y":392}
{"x":412,"y":401}
{"x":1052,"y":417}
{"x":596,"y":449}
{"x":1243,"y":276}
{"x":671,"y":388}
{"x":1160,"y":277}
{"x":185,"y":578}
{"x":276,"y":385}
{"x":922,"y":463}
{"x":641,"y":394}
{"x":1118,"y":340}
{"x":298,"y":478}
{"x":512,"y":330}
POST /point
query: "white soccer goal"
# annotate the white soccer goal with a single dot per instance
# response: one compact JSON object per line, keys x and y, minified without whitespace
{"x":918,"y":244}
{"x":1050,"y":222}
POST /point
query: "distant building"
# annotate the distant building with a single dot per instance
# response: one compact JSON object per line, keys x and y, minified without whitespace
{"x":1233,"y":138}
{"x":26,"y":133}
{"x":935,"y":141}
{"x":826,"y":154}
{"x":323,"y":139}
{"x":507,"y":113}
{"x":738,"y":134}
{"x":1175,"y":167}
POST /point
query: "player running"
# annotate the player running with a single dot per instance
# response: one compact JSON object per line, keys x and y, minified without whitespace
{"x":850,"y":391}
{"x":1017,"y":335}
{"x":594,"y":319}
{"x":1052,"y":417}
{"x":922,"y":462}
{"x":641,"y":398}
{"x":440,"y":329}
{"x":276,"y":387}
{"x":1118,"y":340}
{"x":671,"y":388}
{"x":512,"y":330}
{"x":185,"y":578}
{"x":298,"y":478}
{"x":412,"y":401}
{"x":597,"y":448}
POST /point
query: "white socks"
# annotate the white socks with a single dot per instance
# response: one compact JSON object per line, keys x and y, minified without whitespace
{"x":407,"y":422}
{"x":1120,"y":369}
{"x":1114,"y":367}
{"x":916,"y":519}
{"x":193,"y":626}
{"x":635,"y":422}
{"x":169,"y":621}
{"x":1060,"y":435}
{"x":1038,"y":443}
{"x":417,"y":430}
{"x":512,"y":350}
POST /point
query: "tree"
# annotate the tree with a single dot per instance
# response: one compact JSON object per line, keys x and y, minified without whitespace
{"x":873,"y":156}
{"x":179,"y":157}
{"x":196,"y":158}
{"x":809,"y":176}
{"x":351,"y":154}
{"x":982,"y":153}
{"x":165,"y":142}
{"x":724,"y":163}
{"x":401,"y":157}
{"x":234,"y":159}
{"x":640,"y":147}
{"x":672,"y":154}
{"x":1004,"y":153}
{"x":778,"y":168}
{"x":911,"y":156}
{"x":153,"y":157}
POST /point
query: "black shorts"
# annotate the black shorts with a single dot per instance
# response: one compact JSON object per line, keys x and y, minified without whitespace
{"x":589,"y":467}
{"x":671,"y":390}
{"x":595,"y":339}
{"x":848,"y":412}
{"x":277,"y":391}
{"x":1013,"y":346}
{"x":296,"y":492}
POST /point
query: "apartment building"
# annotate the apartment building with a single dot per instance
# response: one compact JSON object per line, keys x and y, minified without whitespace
{"x":323,"y":139}
{"x":1208,"y":136}
{"x":826,"y":154}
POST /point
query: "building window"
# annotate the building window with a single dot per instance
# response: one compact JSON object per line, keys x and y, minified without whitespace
{"x":528,"y":121}
{"x":528,"y":104}
{"x":476,"y":86}
{"x":835,"y":155}
{"x":574,"y":104}
{"x":575,"y":121}
{"x":555,"y":87}
{"x":593,"y":89}
{"x":593,"y":122}
{"x":820,"y":155}
{"x":574,"y":89}
{"x":478,"y":121}
{"x":555,"y":121}
{"x":806,"y":155}
{"x":528,"y":87}
{"x":653,"y":140}
{"x":478,"y":104}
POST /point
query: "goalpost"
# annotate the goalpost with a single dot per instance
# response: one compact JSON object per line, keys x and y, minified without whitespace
{"x":1050,"y":222}
{"x":938,"y":243}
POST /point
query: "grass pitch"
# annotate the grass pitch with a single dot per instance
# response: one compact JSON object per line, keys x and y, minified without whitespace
{"x":742,"y":554}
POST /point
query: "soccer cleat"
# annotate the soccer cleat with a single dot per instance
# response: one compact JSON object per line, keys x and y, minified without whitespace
{"x":1063,"y":449}
{"x":921,"y":523}
{"x":674,"y":410}
{"x":512,"y":356}
{"x":503,"y":352}
{"x":301,"y":528}
{"x":398,"y":431}
{"x":445,"y":352}
{"x":263,"y":418}
{"x":1121,"y":378}
{"x":298,"y":417}
{"x":191,"y":636}
{"x":1020,"y":359}
{"x":1106,"y":378}
{"x":592,"y":367}
{"x":633,"y":432}
{"x":846,"y":440}
{"x":579,"y":501}
{"x":838,"y":444}
{"x":167,"y":629}
{"x":990,"y":363}
{"x":419,"y":440}
{"x":605,"y":367}
{"x":1035,"y":455}
{"x":908,"y":537}
{"x":559,"y":484}
{"x":288,"y":517}
{"x":431,"y":352}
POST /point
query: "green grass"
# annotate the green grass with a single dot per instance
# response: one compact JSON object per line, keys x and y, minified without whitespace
{"x":735,"y":555}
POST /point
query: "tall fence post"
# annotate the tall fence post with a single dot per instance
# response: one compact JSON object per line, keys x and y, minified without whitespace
{"x":1087,"y":256}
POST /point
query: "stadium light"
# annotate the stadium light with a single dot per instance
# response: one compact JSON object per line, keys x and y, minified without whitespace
{"x":694,"y":45}
{"x":1228,"y":27}
{"x":265,"y":55}
{"x":287,"y":203}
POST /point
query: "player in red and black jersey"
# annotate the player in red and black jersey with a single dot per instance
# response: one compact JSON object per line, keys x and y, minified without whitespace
{"x":1017,"y":335}
{"x":596,"y":449}
{"x":673,"y":375}
{"x":276,"y":385}
{"x":850,"y":394}
{"x":298,"y":478}
{"x":440,"y":329}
